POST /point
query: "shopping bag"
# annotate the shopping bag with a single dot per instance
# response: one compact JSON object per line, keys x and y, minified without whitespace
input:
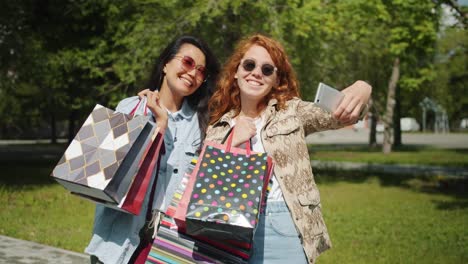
{"x":103,"y":159}
{"x":172,"y":246}
{"x":177,"y":208}
{"x":147,"y":174}
{"x":133,"y":201}
{"x":228,"y":190}
{"x":175,"y":218}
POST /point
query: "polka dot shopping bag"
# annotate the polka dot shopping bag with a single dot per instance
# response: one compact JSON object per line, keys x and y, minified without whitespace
{"x":229,"y":186}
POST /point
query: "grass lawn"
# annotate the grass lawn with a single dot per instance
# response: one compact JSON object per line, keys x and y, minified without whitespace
{"x":35,"y":208}
{"x":371,"y":218}
{"x":375,"y":220}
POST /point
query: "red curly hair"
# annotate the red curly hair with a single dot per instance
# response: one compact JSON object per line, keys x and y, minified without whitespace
{"x":227,"y":95}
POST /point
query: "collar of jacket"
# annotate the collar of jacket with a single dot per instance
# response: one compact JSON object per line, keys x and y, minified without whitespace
{"x":226,"y":118}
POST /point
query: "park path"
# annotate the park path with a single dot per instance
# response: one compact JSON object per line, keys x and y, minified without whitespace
{"x":361,"y":136}
{"x":17,"y":251}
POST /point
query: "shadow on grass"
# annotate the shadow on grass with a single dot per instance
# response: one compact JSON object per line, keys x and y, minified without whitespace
{"x":26,"y":173}
{"x":457,"y":187}
{"x":28,"y":165}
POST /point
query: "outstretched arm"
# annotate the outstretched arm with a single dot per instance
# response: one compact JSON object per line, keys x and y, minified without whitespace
{"x":352,"y":107}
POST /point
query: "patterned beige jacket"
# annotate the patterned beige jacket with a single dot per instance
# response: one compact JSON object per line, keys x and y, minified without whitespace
{"x":283,"y":137}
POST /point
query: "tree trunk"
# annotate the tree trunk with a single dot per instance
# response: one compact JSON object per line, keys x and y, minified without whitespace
{"x":396,"y":119}
{"x":372,"y":125}
{"x":388,"y":118}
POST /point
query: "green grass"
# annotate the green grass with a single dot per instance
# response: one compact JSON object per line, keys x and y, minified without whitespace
{"x":35,"y":208}
{"x":406,"y":155}
{"x":371,"y":218}
{"x":378,"y":220}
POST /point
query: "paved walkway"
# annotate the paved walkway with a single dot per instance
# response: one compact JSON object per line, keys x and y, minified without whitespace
{"x":403,"y":169}
{"x":361,"y":136}
{"x":16,"y":251}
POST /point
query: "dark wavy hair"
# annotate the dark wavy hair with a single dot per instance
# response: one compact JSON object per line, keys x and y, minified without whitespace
{"x":199,"y":99}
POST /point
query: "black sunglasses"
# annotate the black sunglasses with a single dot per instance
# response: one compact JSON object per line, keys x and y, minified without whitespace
{"x":250,"y":65}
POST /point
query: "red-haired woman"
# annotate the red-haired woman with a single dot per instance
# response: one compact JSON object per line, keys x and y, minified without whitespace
{"x":258,"y":93}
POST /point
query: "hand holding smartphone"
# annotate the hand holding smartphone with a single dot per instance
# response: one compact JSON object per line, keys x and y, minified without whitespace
{"x":328,"y":98}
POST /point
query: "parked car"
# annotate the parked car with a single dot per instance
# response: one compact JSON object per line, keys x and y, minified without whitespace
{"x":407,"y":124}
{"x":380,"y":127}
{"x":464,"y":123}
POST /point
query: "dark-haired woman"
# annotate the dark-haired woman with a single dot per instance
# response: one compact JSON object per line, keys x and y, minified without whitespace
{"x":180,"y":86}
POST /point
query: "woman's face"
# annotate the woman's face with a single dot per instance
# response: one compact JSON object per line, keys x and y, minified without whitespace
{"x":184,"y":73}
{"x":256,"y":83}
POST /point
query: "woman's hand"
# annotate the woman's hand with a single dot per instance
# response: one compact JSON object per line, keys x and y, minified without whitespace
{"x":155,"y":105}
{"x":356,"y":98}
{"x":243,"y":130}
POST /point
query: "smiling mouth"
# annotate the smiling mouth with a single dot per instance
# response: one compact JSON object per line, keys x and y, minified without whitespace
{"x":186,"y":81}
{"x":254,"y":83}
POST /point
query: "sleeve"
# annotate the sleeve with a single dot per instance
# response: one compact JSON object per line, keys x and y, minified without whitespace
{"x":127,"y":105}
{"x":217,"y":133}
{"x":314,"y":118}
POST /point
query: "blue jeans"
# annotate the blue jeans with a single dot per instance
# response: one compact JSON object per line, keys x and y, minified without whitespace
{"x":276,"y":239}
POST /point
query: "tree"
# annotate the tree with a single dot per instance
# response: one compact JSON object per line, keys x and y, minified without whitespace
{"x":88,"y":52}
{"x":449,"y":88}
{"x":413,"y":30}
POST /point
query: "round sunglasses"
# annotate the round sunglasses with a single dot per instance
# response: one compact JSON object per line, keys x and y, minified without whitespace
{"x":250,"y":65}
{"x":188,"y":64}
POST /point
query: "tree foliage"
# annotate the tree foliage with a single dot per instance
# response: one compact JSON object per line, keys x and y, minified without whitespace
{"x":60,"y":57}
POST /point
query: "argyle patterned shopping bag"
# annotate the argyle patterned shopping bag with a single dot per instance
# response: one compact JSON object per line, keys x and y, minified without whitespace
{"x":103,"y":159}
{"x":145,"y":179}
{"x":227,"y":194}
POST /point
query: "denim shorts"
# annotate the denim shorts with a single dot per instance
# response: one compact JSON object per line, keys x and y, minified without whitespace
{"x":276,"y":239}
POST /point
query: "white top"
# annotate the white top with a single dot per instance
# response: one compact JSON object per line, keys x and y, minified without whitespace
{"x":275,"y":193}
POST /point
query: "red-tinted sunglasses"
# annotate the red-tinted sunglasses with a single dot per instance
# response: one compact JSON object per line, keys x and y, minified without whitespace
{"x":250,"y":65}
{"x":188,"y":64}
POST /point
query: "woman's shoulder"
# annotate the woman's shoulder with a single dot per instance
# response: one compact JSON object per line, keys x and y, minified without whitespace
{"x":292,"y":104}
{"x":294,"y":100}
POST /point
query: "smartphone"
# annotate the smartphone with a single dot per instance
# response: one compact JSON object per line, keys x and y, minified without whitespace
{"x":328,"y":97}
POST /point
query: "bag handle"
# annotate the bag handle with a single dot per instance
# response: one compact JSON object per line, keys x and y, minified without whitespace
{"x":230,"y":135}
{"x":132,"y":113}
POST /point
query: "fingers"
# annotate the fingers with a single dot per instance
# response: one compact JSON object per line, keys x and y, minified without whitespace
{"x":248,"y":124}
{"x":156,"y":107}
{"x":341,"y":110}
{"x":144,"y":93}
{"x":348,"y":110}
{"x":356,"y":96}
{"x":152,"y":96}
{"x":153,"y":102}
{"x":244,"y":130}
